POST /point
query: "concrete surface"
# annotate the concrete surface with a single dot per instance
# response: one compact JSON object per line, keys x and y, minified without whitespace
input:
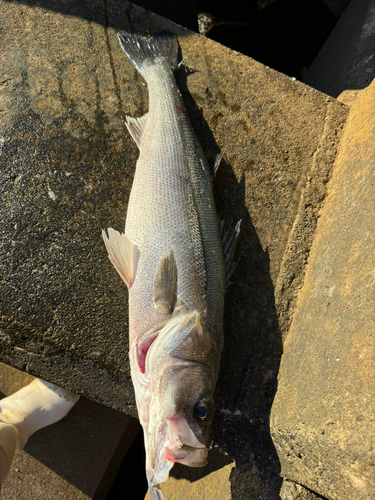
{"x":293,"y":491}
{"x":76,"y":458}
{"x":347,"y":59}
{"x":322,"y":419}
{"x":211,"y":481}
{"x":66,"y":170}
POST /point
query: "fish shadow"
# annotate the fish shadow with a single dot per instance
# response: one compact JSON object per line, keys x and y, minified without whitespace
{"x":252,"y":345}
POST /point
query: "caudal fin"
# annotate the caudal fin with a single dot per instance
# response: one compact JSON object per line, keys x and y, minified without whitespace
{"x":160,"y":48}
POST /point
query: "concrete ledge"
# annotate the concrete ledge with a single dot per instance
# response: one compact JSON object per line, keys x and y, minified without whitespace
{"x":322,"y":419}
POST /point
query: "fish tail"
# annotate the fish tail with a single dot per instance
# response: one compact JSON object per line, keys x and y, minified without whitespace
{"x":161,"y":48}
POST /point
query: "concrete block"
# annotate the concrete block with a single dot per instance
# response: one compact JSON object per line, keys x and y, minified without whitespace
{"x":68,"y":165}
{"x":322,"y":419}
{"x":66,"y":171}
{"x":347,"y":60}
{"x":76,"y":458}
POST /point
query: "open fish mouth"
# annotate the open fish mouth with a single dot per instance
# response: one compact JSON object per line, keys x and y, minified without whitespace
{"x":185,"y":447}
{"x":176,"y":443}
{"x":187,"y":455}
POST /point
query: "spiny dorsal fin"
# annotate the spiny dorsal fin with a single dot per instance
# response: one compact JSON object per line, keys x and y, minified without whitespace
{"x":121,"y":253}
{"x":196,"y":343}
{"x":136,"y":127}
{"x":165,"y":285}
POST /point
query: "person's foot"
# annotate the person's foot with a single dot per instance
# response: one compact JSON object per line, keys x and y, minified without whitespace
{"x":35,"y":406}
{"x":9,"y":437}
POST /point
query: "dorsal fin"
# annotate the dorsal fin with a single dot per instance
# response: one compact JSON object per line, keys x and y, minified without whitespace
{"x":136,"y":127}
{"x":121,"y":253}
{"x":165,"y":285}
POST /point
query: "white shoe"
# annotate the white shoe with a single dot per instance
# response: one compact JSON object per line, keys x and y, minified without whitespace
{"x":35,"y":406}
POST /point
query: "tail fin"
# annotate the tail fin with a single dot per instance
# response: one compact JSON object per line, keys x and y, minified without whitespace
{"x":161,"y":47}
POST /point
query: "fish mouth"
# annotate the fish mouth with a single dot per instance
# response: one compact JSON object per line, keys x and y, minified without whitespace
{"x":185,"y":448}
{"x":187,"y":455}
{"x":176,"y":443}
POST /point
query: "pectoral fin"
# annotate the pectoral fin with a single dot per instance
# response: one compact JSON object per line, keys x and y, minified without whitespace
{"x":121,"y":253}
{"x":165,"y":285}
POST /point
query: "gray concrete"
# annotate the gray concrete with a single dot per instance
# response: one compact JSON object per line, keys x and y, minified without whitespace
{"x":347,"y":59}
{"x":322,"y":419}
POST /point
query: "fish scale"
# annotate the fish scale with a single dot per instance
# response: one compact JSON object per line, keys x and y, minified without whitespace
{"x":171,"y":205}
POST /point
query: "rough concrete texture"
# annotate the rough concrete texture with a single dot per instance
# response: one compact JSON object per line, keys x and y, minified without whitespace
{"x":211,"y":481}
{"x":347,"y":59}
{"x":322,"y":420}
{"x":66,"y":173}
{"x":293,"y":491}
{"x":76,"y":458}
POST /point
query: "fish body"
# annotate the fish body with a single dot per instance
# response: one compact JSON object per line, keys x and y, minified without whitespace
{"x":170,"y":257}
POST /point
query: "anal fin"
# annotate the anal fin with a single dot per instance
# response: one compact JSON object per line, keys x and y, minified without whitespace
{"x":121,"y":253}
{"x":165,"y":285}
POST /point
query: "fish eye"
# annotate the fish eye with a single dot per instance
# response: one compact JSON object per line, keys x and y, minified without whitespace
{"x":201,"y":411}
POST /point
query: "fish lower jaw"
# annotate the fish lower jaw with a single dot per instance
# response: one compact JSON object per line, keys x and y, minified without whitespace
{"x":186,"y":455}
{"x":156,"y":477}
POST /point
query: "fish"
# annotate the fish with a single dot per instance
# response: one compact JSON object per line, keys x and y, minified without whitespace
{"x":170,"y":257}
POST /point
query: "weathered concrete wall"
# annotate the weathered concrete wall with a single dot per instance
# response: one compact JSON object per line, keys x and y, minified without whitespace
{"x":66,"y":170}
{"x":347,"y":60}
{"x":323,"y":414}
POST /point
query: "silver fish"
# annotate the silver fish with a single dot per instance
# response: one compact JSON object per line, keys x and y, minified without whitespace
{"x":171,"y":259}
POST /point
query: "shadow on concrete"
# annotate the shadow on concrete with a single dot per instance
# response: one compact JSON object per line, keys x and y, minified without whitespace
{"x":131,"y":475}
{"x":86,"y":447}
{"x":251,"y":356}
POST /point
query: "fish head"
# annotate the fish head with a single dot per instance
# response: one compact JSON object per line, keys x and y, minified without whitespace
{"x":180,"y":417}
{"x":181,"y":405}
